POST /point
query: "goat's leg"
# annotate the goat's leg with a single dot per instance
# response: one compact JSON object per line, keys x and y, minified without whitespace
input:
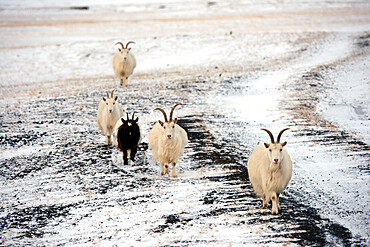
{"x":167,"y":168}
{"x":108,"y":139}
{"x":124,"y":157}
{"x":274,"y":204}
{"x":174,"y":175}
{"x":121,"y":82}
{"x":265,"y":202}
{"x":108,"y":133}
{"x":277,"y":201}
{"x":126,"y":81}
{"x":115,"y":143}
{"x":132,"y":153}
{"x":162,"y":169}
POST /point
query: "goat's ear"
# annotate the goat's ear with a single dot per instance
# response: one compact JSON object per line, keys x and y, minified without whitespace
{"x":122,"y":120}
{"x":283,"y":144}
{"x":160,"y":122}
{"x":266,"y":145}
{"x":104,"y":99}
{"x":119,"y":49}
{"x":175,"y":120}
{"x":137,"y":119}
{"x":129,"y":49}
{"x":115,"y":99}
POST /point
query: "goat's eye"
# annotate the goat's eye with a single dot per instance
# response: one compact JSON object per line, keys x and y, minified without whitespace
{"x":281,"y":150}
{"x":107,"y":103}
{"x":173,"y":126}
{"x":270,"y":150}
{"x":114,"y":103}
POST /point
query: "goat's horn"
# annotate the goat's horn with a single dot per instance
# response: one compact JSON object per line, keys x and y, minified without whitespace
{"x":270,"y":134}
{"x":173,"y":108}
{"x":281,"y":132}
{"x":164,"y":114}
{"x":111,"y":95}
{"x":133,"y":114}
{"x":123,"y":47}
{"x":127,"y":116}
{"x":107,"y":94}
{"x":129,"y":43}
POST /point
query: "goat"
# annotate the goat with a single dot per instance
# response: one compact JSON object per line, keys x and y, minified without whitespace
{"x":128,"y":137}
{"x":270,"y":170}
{"x":124,"y":63}
{"x":109,"y":112}
{"x":167,"y":141}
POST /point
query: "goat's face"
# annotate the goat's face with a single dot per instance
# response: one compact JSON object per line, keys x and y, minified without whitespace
{"x":124,"y":54}
{"x":275,"y":152}
{"x":110,"y":104}
{"x":169,"y":128}
{"x":130,"y":127}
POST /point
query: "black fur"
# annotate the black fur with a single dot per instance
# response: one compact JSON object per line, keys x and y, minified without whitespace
{"x":128,"y":137}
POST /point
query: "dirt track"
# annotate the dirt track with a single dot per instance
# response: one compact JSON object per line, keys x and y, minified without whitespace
{"x":61,"y":185}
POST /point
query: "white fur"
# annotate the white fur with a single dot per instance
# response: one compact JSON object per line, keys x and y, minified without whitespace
{"x":268,"y":178}
{"x":167,"y":150}
{"x":115,"y":132}
{"x":107,"y":120}
{"x":123,"y":68}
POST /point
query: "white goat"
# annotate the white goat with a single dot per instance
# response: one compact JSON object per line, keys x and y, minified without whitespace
{"x":167,"y":141}
{"x":270,"y":170}
{"x":109,"y":112}
{"x":124,"y":63}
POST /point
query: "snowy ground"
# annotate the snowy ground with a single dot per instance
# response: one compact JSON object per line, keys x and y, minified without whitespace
{"x":235,"y":66}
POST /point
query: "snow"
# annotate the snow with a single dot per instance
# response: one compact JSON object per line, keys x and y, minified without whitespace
{"x":236,"y":67}
{"x":351,"y":110}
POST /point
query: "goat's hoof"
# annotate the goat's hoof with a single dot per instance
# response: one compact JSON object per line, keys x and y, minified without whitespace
{"x":174,"y":176}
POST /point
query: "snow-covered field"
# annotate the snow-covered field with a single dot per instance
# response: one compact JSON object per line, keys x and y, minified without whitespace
{"x":236,"y":66}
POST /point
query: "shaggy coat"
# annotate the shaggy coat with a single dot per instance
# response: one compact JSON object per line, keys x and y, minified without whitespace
{"x":123,"y":64}
{"x":167,"y":150}
{"x":270,"y":170}
{"x":167,"y":141}
{"x":109,"y":112}
{"x":128,"y":137}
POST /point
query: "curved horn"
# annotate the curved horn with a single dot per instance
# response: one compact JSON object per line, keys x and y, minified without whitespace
{"x":164,"y":113}
{"x":107,"y":95}
{"x":127,"y":116}
{"x":173,"y":108}
{"x":111,"y":95}
{"x":270,"y":134}
{"x":123,"y":47}
{"x":281,"y":132}
{"x":129,"y":43}
{"x":133,"y":114}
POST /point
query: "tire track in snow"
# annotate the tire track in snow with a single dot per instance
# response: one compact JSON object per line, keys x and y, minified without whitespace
{"x":83,"y":194}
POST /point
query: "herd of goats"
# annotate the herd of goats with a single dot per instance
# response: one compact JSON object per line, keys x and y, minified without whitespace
{"x":269,"y":166}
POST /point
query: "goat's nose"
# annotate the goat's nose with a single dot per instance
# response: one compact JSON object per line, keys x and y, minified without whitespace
{"x":276,"y":160}
{"x":110,"y":110}
{"x":169,"y":136}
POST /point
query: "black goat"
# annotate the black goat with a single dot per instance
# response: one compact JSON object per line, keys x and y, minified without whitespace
{"x":128,"y":137}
